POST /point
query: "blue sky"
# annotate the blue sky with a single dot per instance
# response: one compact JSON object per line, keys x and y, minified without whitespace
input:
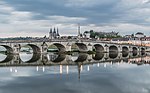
{"x":34,"y":18}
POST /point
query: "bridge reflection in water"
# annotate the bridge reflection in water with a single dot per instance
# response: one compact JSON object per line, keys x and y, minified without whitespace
{"x":96,"y":72}
{"x":26,"y":59}
{"x":79,"y":60}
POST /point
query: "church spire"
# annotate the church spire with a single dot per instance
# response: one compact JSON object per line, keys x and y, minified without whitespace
{"x":54,"y":30}
{"x":50,"y":30}
{"x":50,"y":33}
{"x":54,"y":33}
{"x":57,"y":32}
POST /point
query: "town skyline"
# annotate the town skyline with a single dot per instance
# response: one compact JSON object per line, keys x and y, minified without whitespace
{"x":28,"y":18}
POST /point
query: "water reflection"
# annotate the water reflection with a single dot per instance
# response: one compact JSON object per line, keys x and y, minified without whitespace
{"x":77,"y":73}
{"x":56,"y":58}
{"x":79,"y":57}
{"x":113,"y":54}
{"x":135,"y":54}
{"x":44,"y":59}
{"x":98,"y":56}
{"x":6,"y":58}
{"x":143,"y":53}
{"x":29,"y":57}
{"x":125,"y":54}
{"x":25,"y":56}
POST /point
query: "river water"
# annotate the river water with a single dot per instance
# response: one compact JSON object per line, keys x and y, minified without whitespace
{"x":76,"y":73}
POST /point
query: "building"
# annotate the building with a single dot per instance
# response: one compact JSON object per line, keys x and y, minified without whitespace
{"x":139,"y":35}
{"x":57,"y":34}
{"x":108,"y":34}
{"x":53,"y":34}
{"x":145,"y":41}
{"x":86,"y":34}
{"x":100,"y":35}
{"x":137,"y":39}
{"x":129,"y":36}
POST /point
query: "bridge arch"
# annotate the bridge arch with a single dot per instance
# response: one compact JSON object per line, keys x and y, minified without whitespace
{"x":61,"y":48}
{"x":8,"y":49}
{"x":81,"y":47}
{"x":98,"y":48}
{"x":125,"y":49}
{"x":113,"y":48}
{"x":134,"y":49}
{"x":142,"y":49}
{"x":35,"y":49}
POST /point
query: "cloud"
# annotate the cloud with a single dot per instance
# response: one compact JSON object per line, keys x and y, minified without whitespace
{"x":121,"y":81}
{"x":37,"y":16}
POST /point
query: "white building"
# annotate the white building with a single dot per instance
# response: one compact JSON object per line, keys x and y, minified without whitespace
{"x":139,"y":35}
{"x":86,"y":35}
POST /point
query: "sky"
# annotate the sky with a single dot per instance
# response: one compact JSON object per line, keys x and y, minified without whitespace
{"x":35,"y":17}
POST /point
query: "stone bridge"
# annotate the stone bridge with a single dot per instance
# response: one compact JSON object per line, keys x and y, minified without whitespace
{"x":82,"y":46}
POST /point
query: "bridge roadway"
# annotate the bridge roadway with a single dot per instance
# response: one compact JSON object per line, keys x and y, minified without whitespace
{"x":66,"y":45}
{"x":74,"y":59}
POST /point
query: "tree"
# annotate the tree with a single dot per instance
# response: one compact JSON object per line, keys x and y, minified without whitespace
{"x":92,"y":35}
{"x":91,"y":31}
{"x":69,"y":37}
{"x":86,"y":32}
